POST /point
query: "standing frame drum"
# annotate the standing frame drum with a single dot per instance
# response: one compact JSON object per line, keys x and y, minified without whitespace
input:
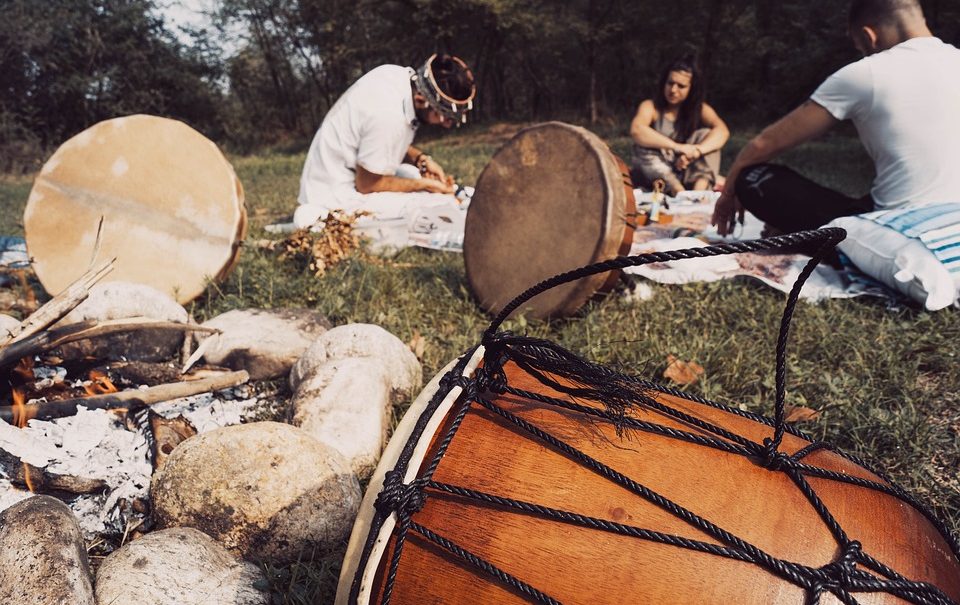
{"x":171,"y":205}
{"x":525,"y":474}
{"x":552,"y":198}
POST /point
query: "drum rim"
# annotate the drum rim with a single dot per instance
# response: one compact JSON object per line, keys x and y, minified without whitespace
{"x":607,"y":245}
{"x":400,"y":439}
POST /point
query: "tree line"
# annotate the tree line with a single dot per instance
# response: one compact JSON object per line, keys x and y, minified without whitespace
{"x":266,"y":71}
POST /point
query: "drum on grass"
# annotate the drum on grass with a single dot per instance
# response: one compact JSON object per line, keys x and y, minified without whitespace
{"x":526,"y":474}
{"x":552,"y":198}
{"x":171,"y":204}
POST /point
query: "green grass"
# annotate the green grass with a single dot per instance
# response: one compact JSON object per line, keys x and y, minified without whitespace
{"x":885,"y":381}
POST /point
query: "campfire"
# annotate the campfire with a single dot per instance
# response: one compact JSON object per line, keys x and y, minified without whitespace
{"x":92,"y":432}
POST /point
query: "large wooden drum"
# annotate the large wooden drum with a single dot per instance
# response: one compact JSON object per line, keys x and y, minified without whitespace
{"x":525,"y":474}
{"x":172,"y":207}
{"x":552,"y":198}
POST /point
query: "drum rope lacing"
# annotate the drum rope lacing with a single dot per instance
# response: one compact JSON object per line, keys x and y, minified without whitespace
{"x":619,"y":393}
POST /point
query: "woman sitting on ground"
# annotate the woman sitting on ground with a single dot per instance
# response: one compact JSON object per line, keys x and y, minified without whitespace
{"x":677,"y":137}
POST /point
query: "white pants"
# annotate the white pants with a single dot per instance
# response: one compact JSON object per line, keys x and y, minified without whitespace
{"x":390,"y":211}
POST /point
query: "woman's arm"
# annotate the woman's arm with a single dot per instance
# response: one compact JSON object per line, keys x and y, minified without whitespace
{"x":643,"y":134}
{"x":719,"y":133}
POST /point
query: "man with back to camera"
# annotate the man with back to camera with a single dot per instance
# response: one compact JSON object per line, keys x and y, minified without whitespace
{"x":903,"y":98}
{"x":368,"y":135}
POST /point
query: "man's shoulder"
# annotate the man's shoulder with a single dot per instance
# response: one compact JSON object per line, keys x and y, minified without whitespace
{"x":385,"y":73}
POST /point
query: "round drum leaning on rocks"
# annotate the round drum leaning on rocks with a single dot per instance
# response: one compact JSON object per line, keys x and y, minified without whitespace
{"x":524,"y":473}
{"x":151,"y":192}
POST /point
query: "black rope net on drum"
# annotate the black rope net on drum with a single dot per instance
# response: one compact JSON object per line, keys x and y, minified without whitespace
{"x":852,"y":571}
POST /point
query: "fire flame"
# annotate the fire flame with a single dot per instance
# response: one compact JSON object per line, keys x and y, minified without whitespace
{"x":24,"y":368}
{"x":99,"y":384}
{"x":20,"y":417}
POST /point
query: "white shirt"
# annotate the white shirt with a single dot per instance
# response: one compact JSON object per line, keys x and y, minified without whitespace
{"x":372,"y":124}
{"x":905,"y":104}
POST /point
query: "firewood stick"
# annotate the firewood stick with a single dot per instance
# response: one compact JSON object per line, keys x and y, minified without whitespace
{"x":40,"y":480}
{"x":19,"y":414}
{"x":51,"y":339}
{"x":59,"y":305}
{"x":128,"y":324}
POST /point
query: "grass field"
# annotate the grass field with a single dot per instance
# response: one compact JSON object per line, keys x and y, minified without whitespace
{"x":885,"y":382}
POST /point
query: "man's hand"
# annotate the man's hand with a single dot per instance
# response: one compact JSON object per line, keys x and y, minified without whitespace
{"x":371,"y":182}
{"x":802,"y":124}
{"x":430,"y":169}
{"x":727,"y":212}
{"x":432,"y":185}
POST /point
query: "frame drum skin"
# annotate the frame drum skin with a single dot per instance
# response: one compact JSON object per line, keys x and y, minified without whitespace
{"x":172,"y":207}
{"x":552,"y":198}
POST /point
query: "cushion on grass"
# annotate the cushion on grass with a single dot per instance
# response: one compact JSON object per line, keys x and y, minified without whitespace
{"x":915,"y":251}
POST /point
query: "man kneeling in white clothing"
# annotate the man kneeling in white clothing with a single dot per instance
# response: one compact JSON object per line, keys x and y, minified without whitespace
{"x":366,"y":140}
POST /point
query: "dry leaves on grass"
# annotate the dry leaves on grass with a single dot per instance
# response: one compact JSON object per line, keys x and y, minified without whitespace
{"x":682,"y":372}
{"x":324,"y":248}
{"x":799,"y":413}
{"x":417,"y":344}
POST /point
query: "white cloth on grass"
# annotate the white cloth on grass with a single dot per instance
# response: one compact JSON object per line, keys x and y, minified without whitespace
{"x":905,"y":105}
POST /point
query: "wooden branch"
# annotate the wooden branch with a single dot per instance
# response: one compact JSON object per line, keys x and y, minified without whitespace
{"x":20,"y":414}
{"x":59,"y":305}
{"x":40,"y":480}
{"x":51,"y":339}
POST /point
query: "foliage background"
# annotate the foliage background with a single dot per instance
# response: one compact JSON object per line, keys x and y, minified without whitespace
{"x":265,"y":71}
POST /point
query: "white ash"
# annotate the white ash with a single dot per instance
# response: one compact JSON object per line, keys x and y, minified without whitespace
{"x":95,"y":444}
{"x":10,"y":495}
{"x":208,"y":411}
{"x":47,"y":376}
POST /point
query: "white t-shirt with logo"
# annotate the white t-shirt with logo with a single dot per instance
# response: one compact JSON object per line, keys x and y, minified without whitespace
{"x":905,"y":104}
{"x":372,"y":124}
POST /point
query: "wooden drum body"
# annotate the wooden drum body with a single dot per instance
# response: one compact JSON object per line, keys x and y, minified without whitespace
{"x":503,"y":486}
{"x":552,"y":198}
{"x":172,"y":207}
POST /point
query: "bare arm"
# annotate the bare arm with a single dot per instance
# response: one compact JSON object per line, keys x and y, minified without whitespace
{"x":371,"y":182}
{"x":806,"y":122}
{"x":719,"y":133}
{"x":644,"y":134}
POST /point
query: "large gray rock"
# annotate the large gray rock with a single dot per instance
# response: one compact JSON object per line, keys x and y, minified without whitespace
{"x":363,"y":340}
{"x":42,"y":555}
{"x":265,"y":490}
{"x":265,"y":343}
{"x":120,"y":300}
{"x":345,"y":404}
{"x":176,"y":566}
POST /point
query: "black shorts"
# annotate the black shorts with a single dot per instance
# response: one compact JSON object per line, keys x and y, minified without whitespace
{"x":790,"y":202}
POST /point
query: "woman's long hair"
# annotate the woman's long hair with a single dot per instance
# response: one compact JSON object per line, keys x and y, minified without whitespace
{"x":688,"y":116}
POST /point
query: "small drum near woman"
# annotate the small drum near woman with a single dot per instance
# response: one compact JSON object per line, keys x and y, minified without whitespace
{"x":552,"y":198}
{"x":526,"y":474}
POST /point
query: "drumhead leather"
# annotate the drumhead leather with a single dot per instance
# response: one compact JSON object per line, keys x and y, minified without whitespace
{"x":172,"y":207}
{"x":550,"y":200}
{"x":543,"y":488}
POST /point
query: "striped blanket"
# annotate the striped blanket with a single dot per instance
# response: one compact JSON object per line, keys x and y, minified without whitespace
{"x":937,"y":226}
